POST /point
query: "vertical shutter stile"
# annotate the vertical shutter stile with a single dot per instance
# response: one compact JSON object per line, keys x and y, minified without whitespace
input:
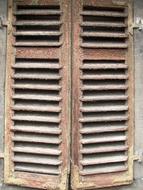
{"x":102,"y":78}
{"x":37,"y":116}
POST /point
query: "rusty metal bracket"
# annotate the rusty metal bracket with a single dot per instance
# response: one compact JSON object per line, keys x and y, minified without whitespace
{"x":3,"y":23}
{"x":138,"y":156}
{"x":1,"y":155}
{"x":138,"y":24}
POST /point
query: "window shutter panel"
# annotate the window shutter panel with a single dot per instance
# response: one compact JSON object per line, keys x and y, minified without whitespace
{"x":36,"y":139}
{"x":102,"y":94}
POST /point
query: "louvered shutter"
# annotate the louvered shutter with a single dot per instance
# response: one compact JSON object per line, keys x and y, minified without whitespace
{"x":36,"y":138}
{"x":102,"y":94}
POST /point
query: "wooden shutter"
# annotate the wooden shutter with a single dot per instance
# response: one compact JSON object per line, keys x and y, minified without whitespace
{"x":36,"y":138}
{"x":102,"y":94}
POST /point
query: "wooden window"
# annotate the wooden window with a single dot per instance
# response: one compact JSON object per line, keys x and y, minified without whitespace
{"x":37,"y":95}
{"x":69,"y":63}
{"x":102,"y":94}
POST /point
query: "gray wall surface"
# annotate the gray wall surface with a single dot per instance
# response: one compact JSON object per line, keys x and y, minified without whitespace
{"x":138,"y":49}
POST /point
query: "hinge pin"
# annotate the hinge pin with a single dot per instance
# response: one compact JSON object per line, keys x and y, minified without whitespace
{"x":138,"y":157}
{"x":3,"y":23}
{"x":138,"y":24}
{"x":1,"y":155}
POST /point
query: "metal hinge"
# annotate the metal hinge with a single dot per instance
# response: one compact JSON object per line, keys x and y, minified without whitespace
{"x":138,"y":156}
{"x":3,"y":23}
{"x":1,"y":155}
{"x":138,"y":25}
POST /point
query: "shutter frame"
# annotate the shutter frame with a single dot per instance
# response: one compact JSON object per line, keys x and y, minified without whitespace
{"x":117,"y":178}
{"x":27,"y":179}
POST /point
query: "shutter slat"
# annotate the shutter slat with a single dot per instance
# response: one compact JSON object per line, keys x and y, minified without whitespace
{"x":36,"y":66}
{"x":36,"y":87}
{"x":38,"y":43}
{"x":105,"y":87}
{"x":37,"y":97}
{"x":38,"y":12}
{"x":104,"y":119}
{"x":37,"y":161}
{"x":103,"y":98}
{"x":37,"y":151}
{"x":104,"y":13}
{"x":104,"y":150}
{"x":36,"y":118}
{"x":104,"y":170}
{"x":27,"y":33}
{"x":104,"y":77}
{"x":103,"y":34}
{"x":89,"y":130}
{"x":40,"y":130}
{"x":105,"y":160}
{"x":103,"y":24}
{"x":36,"y":140}
{"x":36,"y":76}
{"x":36,"y":108}
{"x":37,"y":23}
{"x":103,"y":139}
{"x":104,"y":66}
{"x":104,"y":45}
{"x":104,"y":109}
{"x":37,"y":170}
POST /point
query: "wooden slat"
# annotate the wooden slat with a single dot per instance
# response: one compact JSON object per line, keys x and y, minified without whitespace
{"x":91,"y":130}
{"x":104,"y":77}
{"x":105,"y":160}
{"x":37,"y":44}
{"x":25,"y":65}
{"x":36,"y":161}
{"x":104,"y":149}
{"x":104,"y":14}
{"x":37,"y":76}
{"x":36,"y":140}
{"x":37,"y":33}
{"x":34,"y":150}
{"x":103,"y":139}
{"x":104,"y":87}
{"x":103,"y":98}
{"x":40,"y":130}
{"x":37,"y":170}
{"x":36,"y":87}
{"x":103,"y":119}
{"x":104,"y":66}
{"x":104,"y":45}
{"x":104,"y":171}
{"x":103,"y":24}
{"x":104,"y":108}
{"x":104,"y":34}
{"x":38,"y":12}
{"x":37,"y":97}
{"x":37,"y":23}
{"x":36,"y":118}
